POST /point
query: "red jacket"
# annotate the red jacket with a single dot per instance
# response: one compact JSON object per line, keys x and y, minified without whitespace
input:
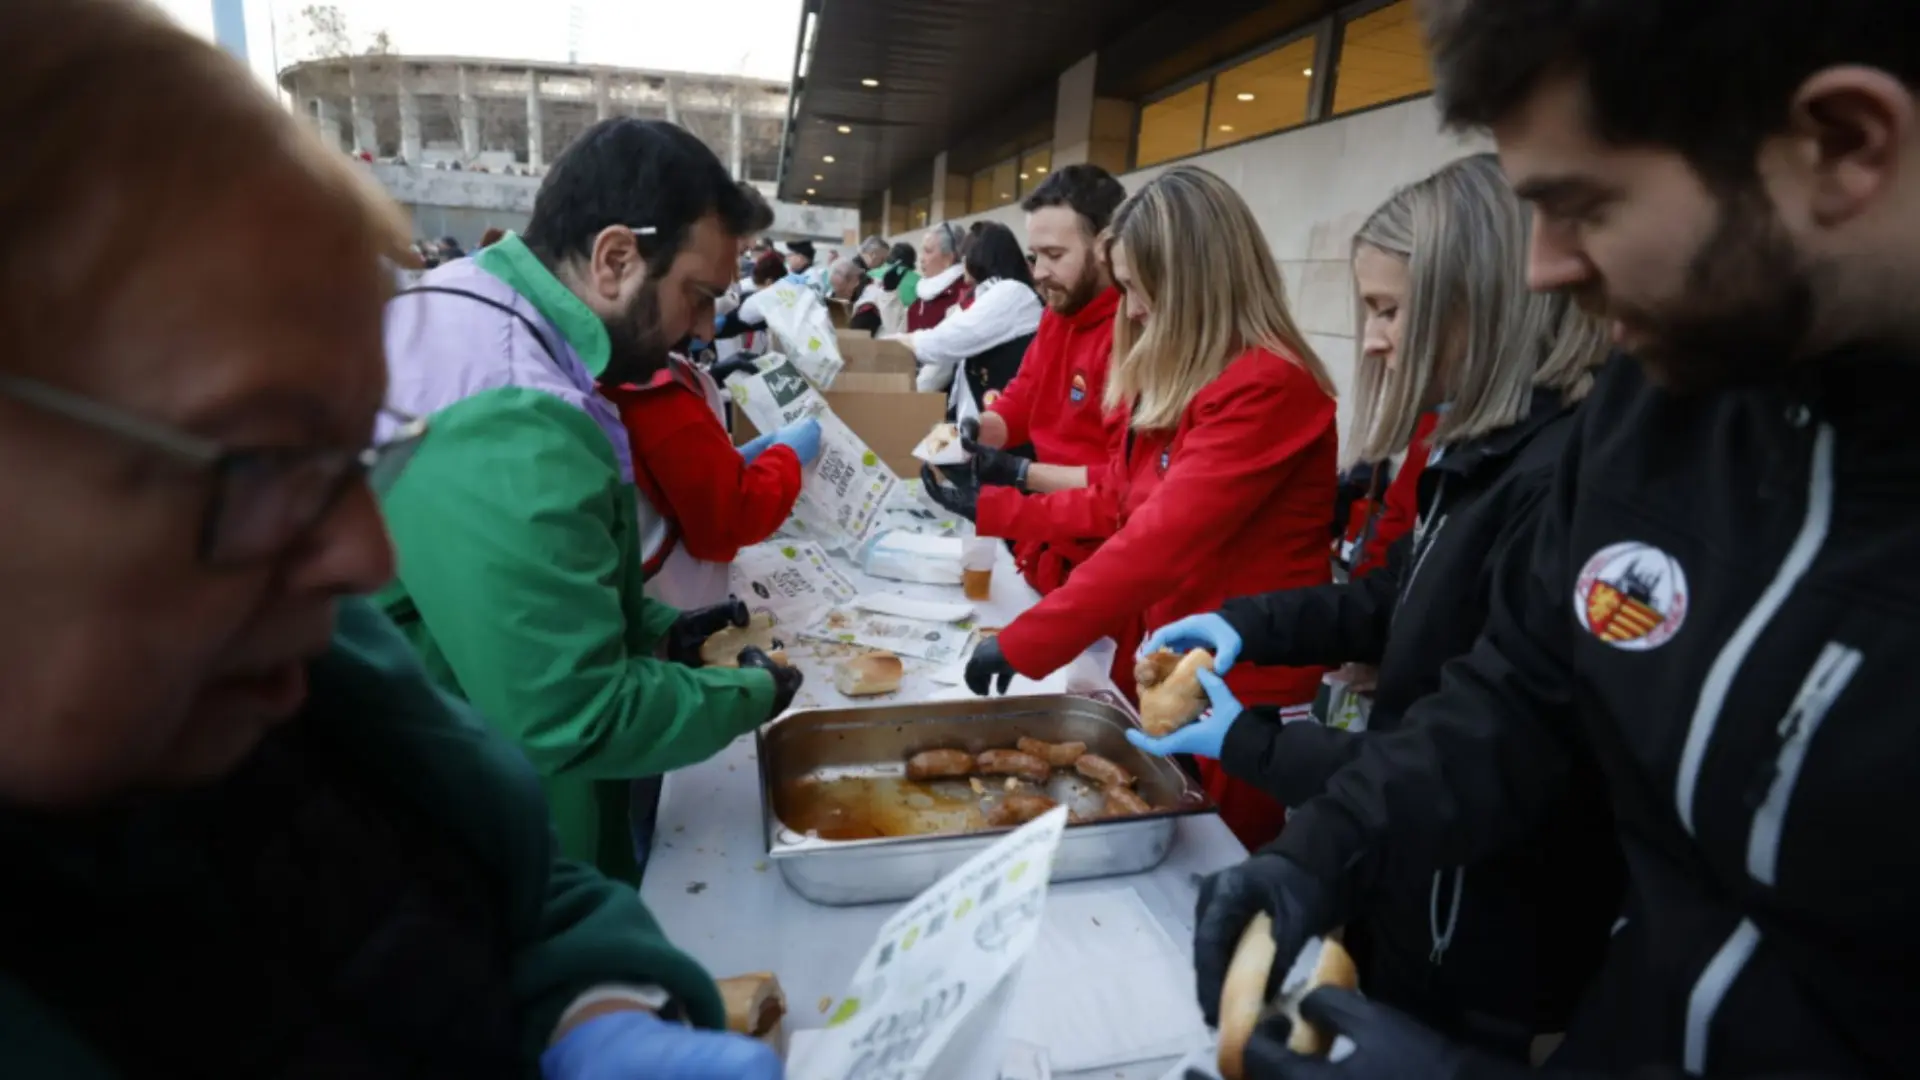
{"x":1233,"y":502}
{"x":1056,"y":403}
{"x":928,"y":312}
{"x":1401,"y":507}
{"x":687,"y":467}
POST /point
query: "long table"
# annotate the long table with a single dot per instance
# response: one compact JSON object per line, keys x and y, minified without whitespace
{"x":710,"y":884}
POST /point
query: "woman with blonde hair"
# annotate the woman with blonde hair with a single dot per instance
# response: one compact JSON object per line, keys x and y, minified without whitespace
{"x":1495,"y":954}
{"x":1222,"y":469}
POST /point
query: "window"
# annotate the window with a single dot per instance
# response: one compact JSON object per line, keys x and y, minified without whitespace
{"x":995,"y":185}
{"x":1382,"y":58}
{"x":1172,"y":127}
{"x":1266,"y":94}
{"x":917,"y":212}
{"x":1033,"y":167}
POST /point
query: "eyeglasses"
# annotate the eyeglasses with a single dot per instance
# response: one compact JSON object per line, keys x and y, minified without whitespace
{"x":263,"y":499}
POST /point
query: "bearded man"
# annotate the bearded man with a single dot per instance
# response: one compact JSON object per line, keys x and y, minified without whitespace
{"x":1054,"y":404}
{"x":523,"y":543}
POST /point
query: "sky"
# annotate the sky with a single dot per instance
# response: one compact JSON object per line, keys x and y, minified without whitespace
{"x":732,"y":37}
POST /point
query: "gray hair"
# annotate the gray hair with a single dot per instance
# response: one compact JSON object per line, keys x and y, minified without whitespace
{"x":1464,"y":235}
{"x":843,"y":270}
{"x":874,"y":249}
{"x":949,"y":236}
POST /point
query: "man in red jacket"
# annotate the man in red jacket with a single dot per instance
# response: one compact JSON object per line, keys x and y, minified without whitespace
{"x":1054,"y":403}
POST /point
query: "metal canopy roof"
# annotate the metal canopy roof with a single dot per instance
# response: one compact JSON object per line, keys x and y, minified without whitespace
{"x":942,"y":67}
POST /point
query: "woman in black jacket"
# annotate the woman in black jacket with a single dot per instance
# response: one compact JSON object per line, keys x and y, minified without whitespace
{"x":1496,"y":953}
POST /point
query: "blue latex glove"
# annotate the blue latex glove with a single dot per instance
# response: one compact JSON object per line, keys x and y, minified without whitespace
{"x":630,"y":1045}
{"x":756,"y":447}
{"x":1210,"y":632}
{"x":1205,"y":736}
{"x":802,"y":437}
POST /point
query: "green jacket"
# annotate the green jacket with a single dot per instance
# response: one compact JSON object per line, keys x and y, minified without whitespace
{"x":571,"y":928}
{"x":909,"y":281}
{"x":519,"y":530}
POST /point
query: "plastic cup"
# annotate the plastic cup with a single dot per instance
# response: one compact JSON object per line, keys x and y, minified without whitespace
{"x":976,"y":567}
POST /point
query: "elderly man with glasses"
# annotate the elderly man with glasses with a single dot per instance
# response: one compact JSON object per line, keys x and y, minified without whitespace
{"x":245,"y":836}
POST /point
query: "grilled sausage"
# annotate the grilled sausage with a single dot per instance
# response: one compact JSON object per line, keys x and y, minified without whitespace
{"x":1059,"y":755}
{"x":939,"y":765}
{"x":1019,"y":809}
{"x":1122,"y":802}
{"x":1094,"y":767}
{"x":1014,"y":763}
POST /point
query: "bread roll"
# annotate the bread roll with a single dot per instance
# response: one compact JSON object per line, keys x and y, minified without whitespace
{"x":755,"y":1006}
{"x":1323,"y":962}
{"x":722,"y":649}
{"x":868,"y":674}
{"x":1171,"y":696}
{"x":941,"y":437}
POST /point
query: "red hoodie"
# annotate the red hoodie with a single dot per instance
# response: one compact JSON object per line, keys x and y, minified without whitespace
{"x":1056,"y":403}
{"x":1232,"y":502}
{"x":687,"y":467}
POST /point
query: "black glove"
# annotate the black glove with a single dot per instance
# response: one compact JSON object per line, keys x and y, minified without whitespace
{"x":733,"y":365}
{"x":1299,"y":905}
{"x":991,"y":467}
{"x":988,"y":667}
{"x":1387,"y":1045}
{"x":692,"y":629}
{"x":957,"y":491}
{"x":786,"y":680}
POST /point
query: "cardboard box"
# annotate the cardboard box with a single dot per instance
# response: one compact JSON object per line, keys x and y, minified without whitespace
{"x":874,"y":395}
{"x":891,"y":422}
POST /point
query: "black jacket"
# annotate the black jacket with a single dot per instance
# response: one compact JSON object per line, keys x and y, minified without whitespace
{"x":1501,"y":950}
{"x":1722,"y":611}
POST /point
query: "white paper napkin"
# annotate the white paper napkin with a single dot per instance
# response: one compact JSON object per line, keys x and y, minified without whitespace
{"x":1105,"y":986}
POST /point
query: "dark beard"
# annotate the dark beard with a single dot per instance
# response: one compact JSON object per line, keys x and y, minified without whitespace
{"x":638,"y":347}
{"x":1747,"y":310}
{"x":1069,"y":302}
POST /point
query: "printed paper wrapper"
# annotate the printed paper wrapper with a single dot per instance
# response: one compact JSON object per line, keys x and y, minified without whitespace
{"x":794,"y":582}
{"x":938,"y":642}
{"x":951,"y":453}
{"x":844,"y":492}
{"x":938,"y":962}
{"x":803,"y":329}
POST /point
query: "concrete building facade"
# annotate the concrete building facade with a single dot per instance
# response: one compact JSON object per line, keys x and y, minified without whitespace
{"x":463,"y":142}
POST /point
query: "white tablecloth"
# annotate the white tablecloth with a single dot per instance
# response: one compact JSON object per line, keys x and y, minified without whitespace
{"x":717,"y":896}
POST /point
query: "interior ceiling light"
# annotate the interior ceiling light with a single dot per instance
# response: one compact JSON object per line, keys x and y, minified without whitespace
{"x":845,"y":130}
{"x":1023,"y":176}
{"x":869,"y":83}
{"x":1226,"y":127}
{"x":817,"y":176}
{"x":809,"y":191}
{"x":1244,"y":96}
{"x":1308,"y":73}
{"x":828,"y":159}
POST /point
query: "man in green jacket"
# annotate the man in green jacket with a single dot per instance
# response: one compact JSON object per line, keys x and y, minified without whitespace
{"x":524,"y":545}
{"x":244,"y":835}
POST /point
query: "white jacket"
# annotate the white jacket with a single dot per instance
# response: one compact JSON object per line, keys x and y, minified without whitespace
{"x":1002,"y":310}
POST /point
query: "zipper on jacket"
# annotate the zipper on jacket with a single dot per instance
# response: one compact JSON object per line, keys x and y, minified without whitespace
{"x":1711,"y":989}
{"x":1719,"y":680}
{"x":1426,"y":533}
{"x":1825,"y":683}
{"x":1443,"y":939}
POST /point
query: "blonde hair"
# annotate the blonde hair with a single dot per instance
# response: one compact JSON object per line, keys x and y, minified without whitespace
{"x":1464,"y":236}
{"x":1197,"y":253}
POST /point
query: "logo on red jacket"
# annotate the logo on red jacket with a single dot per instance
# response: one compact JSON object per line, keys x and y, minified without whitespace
{"x":1078,"y":392}
{"x":992,"y":396}
{"x":1632,"y":596}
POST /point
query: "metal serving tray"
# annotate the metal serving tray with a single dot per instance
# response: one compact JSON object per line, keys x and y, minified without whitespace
{"x":869,"y":746}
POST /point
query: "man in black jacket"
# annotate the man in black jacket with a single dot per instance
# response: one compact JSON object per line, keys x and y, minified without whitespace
{"x":1722,"y":588}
